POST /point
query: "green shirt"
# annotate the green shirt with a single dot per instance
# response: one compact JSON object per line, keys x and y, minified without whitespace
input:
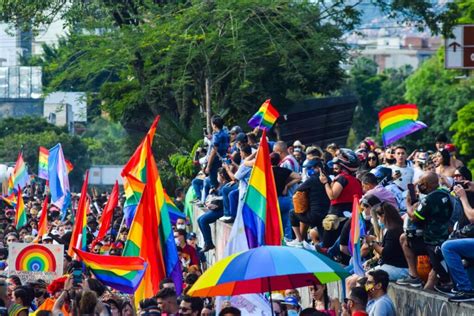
{"x":434,"y":211}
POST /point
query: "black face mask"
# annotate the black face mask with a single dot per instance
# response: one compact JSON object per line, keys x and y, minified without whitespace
{"x":390,"y":161}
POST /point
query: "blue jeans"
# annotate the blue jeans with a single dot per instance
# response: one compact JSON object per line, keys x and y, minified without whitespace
{"x":216,"y":164}
{"x":394,"y":273}
{"x":453,"y":250}
{"x":204,"y":222}
{"x":286,"y":204}
{"x":225,"y":191}
{"x":199,"y":185}
{"x":233,"y":203}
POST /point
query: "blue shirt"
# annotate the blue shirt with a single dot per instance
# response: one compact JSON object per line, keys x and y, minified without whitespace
{"x":383,"y":306}
{"x":220,"y":140}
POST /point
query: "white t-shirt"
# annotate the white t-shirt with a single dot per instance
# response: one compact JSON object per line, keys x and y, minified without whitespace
{"x":406,"y":176}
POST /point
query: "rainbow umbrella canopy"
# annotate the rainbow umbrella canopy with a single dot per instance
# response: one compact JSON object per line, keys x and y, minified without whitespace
{"x":266,"y":269}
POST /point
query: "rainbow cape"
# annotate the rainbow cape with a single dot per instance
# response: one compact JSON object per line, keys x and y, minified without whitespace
{"x":399,"y":121}
{"x":150,"y":235}
{"x":20,"y":213}
{"x":261,"y":212}
{"x":79,"y":231}
{"x":173,"y":210}
{"x":120,"y":273}
{"x":43,"y":163}
{"x":265,"y":117}
{"x":134,"y":175}
{"x":19,"y":177}
{"x":357,"y":230}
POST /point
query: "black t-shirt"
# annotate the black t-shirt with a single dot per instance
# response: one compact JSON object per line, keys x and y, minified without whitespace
{"x":318,"y":199}
{"x":281,"y":178}
{"x":463,"y":221}
{"x":392,"y":252}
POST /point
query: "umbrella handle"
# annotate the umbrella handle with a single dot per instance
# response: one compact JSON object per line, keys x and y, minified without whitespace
{"x":271,"y":299}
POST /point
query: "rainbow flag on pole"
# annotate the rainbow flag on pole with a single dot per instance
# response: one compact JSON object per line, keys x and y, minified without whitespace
{"x":399,"y":121}
{"x":43,"y":163}
{"x":265,"y":117}
{"x":173,"y":210}
{"x":150,"y":235}
{"x":261,"y":212}
{"x":10,"y":199}
{"x":357,"y":230}
{"x":19,"y":177}
{"x":134,"y":175}
{"x":120,"y":273}
{"x":43,"y":222}
{"x":79,"y":231}
{"x":20,"y":213}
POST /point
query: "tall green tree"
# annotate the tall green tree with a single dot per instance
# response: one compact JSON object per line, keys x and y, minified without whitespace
{"x":463,"y":130}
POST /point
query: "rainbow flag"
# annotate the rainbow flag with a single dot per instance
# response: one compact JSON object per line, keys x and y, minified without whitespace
{"x":69,"y":166}
{"x":11,"y":199}
{"x":399,"y":121}
{"x":150,"y":235}
{"x":357,"y":230}
{"x":43,"y":163}
{"x":43,"y":222}
{"x":79,"y":231}
{"x":173,"y":210}
{"x":20,"y":213}
{"x":108,"y":212}
{"x":261,"y":212}
{"x":19,"y":177}
{"x":134,"y":175}
{"x":265,"y":117}
{"x":123,"y":274}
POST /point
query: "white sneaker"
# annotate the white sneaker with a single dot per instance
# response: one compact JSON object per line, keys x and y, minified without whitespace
{"x":295,"y":243}
{"x":308,"y":246}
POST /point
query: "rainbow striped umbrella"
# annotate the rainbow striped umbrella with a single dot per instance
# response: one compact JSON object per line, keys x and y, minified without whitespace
{"x":266,"y":269}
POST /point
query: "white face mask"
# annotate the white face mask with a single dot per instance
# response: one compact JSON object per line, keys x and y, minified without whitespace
{"x":181,"y":226}
{"x":176,"y":241}
{"x":366,"y":217}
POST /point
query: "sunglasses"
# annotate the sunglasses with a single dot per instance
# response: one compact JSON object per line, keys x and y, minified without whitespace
{"x":185,"y":309}
{"x":457,"y":175}
{"x":372,"y":158}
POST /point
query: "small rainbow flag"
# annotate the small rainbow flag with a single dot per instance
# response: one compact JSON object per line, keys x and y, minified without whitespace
{"x":261,"y":212}
{"x":79,"y":232}
{"x":173,"y":210}
{"x":20,"y":213}
{"x":399,"y":121}
{"x":69,"y":166}
{"x":120,"y":273}
{"x":43,"y":163}
{"x":19,"y":177}
{"x":265,"y":117}
{"x":357,"y":230}
{"x":11,"y":199}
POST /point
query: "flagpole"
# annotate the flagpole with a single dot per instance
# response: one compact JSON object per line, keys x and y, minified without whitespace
{"x":120,"y":228}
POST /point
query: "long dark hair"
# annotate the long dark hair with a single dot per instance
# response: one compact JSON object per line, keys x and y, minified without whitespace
{"x":391,"y":216}
{"x":325,"y":297}
{"x":366,"y":164}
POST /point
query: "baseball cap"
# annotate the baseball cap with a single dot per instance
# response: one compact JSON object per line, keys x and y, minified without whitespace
{"x":191,"y":235}
{"x":235,"y":130}
{"x":291,"y":300}
{"x":241,"y":137}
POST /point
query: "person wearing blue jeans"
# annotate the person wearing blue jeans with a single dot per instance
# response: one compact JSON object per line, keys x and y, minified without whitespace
{"x":455,"y":250}
{"x":204,"y":222}
{"x":219,"y":146}
{"x":226,"y":189}
{"x":199,"y":185}
{"x":286,"y":205}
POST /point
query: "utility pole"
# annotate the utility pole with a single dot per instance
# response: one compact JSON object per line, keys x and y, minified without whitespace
{"x":208,"y":106}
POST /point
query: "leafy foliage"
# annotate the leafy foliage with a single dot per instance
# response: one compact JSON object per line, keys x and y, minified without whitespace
{"x":464,"y":132}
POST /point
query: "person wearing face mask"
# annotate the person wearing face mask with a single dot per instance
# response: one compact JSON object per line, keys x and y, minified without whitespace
{"x":318,"y":204}
{"x":379,"y":303}
{"x":389,"y":251}
{"x":292,"y":306}
{"x":433,"y":213}
{"x":181,"y":223}
{"x":180,"y":240}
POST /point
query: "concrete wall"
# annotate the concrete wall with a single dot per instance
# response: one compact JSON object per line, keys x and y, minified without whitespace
{"x":415,"y":302}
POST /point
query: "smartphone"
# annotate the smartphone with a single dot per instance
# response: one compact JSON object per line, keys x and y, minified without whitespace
{"x":411,"y":191}
{"x":76,"y":277}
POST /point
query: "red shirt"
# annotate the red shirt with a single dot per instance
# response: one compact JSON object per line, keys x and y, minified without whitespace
{"x":192,"y":253}
{"x":359,"y":313}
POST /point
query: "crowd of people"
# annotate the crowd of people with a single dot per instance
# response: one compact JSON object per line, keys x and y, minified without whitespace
{"x":415,"y":206}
